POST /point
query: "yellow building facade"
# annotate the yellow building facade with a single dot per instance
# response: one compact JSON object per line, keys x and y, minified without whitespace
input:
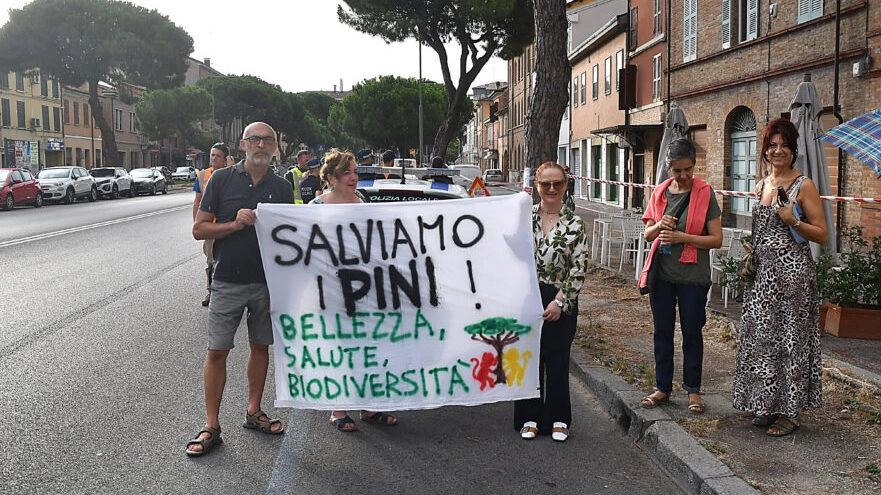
{"x":31,"y":126}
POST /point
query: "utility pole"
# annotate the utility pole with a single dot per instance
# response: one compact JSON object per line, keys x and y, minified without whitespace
{"x":421,"y":145}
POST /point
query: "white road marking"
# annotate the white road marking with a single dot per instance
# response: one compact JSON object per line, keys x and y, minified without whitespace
{"x":72,"y":230}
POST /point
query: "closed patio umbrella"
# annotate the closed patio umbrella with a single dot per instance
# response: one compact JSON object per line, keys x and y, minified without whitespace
{"x":811,"y":161}
{"x":676,"y":126}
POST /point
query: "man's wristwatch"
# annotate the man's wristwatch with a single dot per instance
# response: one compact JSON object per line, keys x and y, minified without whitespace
{"x":797,"y":224}
{"x":558,"y":302}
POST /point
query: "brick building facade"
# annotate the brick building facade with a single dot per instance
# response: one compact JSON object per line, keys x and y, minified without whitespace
{"x":521,"y":82}
{"x":733,"y":70}
{"x":647,"y":56}
{"x":596,"y":121}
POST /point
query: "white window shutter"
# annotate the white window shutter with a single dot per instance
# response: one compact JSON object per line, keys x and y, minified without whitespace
{"x":752,"y":19}
{"x":809,"y":9}
{"x":804,"y":6}
{"x":689,"y":31}
{"x":726,"y":23}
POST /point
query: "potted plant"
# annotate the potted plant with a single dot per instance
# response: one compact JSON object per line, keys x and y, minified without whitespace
{"x":728,"y":277}
{"x":852,"y":286}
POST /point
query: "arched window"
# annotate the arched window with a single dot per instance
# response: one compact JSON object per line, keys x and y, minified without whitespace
{"x":742,"y":136}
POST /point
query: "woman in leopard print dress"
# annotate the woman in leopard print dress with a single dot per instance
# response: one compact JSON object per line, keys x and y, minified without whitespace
{"x":778,"y":354}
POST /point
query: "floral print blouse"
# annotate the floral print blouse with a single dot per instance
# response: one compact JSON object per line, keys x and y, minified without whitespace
{"x":561,"y":255}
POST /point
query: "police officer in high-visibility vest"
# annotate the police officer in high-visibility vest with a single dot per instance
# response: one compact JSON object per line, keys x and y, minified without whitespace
{"x":296,"y":173}
{"x":217,"y":160}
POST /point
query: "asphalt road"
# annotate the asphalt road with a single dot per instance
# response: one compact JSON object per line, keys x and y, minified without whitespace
{"x":101,"y":354}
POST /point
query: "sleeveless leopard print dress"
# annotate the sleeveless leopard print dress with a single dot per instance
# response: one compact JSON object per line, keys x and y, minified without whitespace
{"x":778,"y":354}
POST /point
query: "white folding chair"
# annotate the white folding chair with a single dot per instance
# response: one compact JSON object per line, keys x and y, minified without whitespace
{"x":598,"y":236}
{"x":613,"y":235}
{"x":632,"y":229}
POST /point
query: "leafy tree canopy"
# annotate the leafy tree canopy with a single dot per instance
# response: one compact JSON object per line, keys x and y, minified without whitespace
{"x":87,"y":41}
{"x":82,"y":41}
{"x":167,"y":113}
{"x":250,"y":98}
{"x":300,"y":117}
{"x":318,"y":104}
{"x":482,"y":28}
{"x":384,"y":112}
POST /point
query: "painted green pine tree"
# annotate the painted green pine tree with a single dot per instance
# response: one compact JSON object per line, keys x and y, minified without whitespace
{"x":498,"y":332}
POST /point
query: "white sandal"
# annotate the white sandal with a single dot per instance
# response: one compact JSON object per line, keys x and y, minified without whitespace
{"x":529,"y":430}
{"x":560,"y":432}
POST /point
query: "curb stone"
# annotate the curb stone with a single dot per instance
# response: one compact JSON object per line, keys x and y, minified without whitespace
{"x":690,"y":465}
{"x":864,"y":374}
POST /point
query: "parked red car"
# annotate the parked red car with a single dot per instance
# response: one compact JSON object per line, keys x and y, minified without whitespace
{"x":18,"y":187}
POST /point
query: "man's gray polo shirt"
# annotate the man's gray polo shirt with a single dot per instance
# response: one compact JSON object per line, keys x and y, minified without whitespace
{"x":237,"y":256}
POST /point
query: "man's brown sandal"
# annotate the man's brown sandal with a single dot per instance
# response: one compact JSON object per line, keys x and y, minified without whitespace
{"x":206,"y":443}
{"x":379,"y":418}
{"x":696,"y":404}
{"x":254,"y":422}
{"x":653,"y":400}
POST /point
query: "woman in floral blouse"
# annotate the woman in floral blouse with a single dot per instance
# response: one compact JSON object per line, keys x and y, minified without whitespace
{"x":560,"y":257}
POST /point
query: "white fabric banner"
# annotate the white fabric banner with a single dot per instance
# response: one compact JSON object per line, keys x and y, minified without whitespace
{"x":402,"y":305}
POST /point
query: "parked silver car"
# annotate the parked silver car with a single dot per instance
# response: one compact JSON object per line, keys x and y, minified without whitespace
{"x":67,"y":184}
{"x":113,"y":181}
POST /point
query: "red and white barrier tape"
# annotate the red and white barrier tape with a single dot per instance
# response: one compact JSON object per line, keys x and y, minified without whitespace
{"x":737,"y":194}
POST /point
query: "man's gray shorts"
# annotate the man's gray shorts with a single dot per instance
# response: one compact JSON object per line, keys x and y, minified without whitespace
{"x":228,"y":303}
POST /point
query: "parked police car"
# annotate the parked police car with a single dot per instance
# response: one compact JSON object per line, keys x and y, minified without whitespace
{"x":390,"y":185}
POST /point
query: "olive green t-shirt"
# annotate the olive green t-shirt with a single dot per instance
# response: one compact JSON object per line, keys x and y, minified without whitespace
{"x":669,"y":268}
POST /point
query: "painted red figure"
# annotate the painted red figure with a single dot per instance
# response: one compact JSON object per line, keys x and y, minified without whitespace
{"x":484,"y":370}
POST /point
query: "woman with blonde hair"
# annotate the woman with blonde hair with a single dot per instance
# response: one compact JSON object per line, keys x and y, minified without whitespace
{"x":340,"y":174}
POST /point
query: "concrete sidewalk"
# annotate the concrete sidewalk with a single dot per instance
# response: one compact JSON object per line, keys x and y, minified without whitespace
{"x":679,"y":442}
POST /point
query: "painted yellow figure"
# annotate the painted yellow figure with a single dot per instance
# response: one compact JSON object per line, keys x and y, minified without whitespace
{"x":514,"y":368}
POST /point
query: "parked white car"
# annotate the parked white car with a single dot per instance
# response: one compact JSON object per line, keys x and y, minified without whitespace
{"x":184,"y":173}
{"x":113,"y":181}
{"x":493,"y":175}
{"x":67,"y":184}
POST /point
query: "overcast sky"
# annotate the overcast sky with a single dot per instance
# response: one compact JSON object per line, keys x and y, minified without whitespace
{"x":298,"y":44}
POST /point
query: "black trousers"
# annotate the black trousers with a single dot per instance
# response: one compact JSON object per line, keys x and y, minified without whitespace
{"x":692,"y":302}
{"x":553,"y":371}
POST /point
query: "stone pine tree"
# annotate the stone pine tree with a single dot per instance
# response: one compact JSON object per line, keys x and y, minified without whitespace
{"x":497,"y":332}
{"x":379,"y":112}
{"x":482,"y":28}
{"x":88,"y":41}
{"x":173,"y":113}
{"x":551,"y":94}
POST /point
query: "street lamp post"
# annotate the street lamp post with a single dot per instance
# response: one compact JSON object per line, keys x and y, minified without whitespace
{"x":421,"y":145}
{"x":111,"y":93}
